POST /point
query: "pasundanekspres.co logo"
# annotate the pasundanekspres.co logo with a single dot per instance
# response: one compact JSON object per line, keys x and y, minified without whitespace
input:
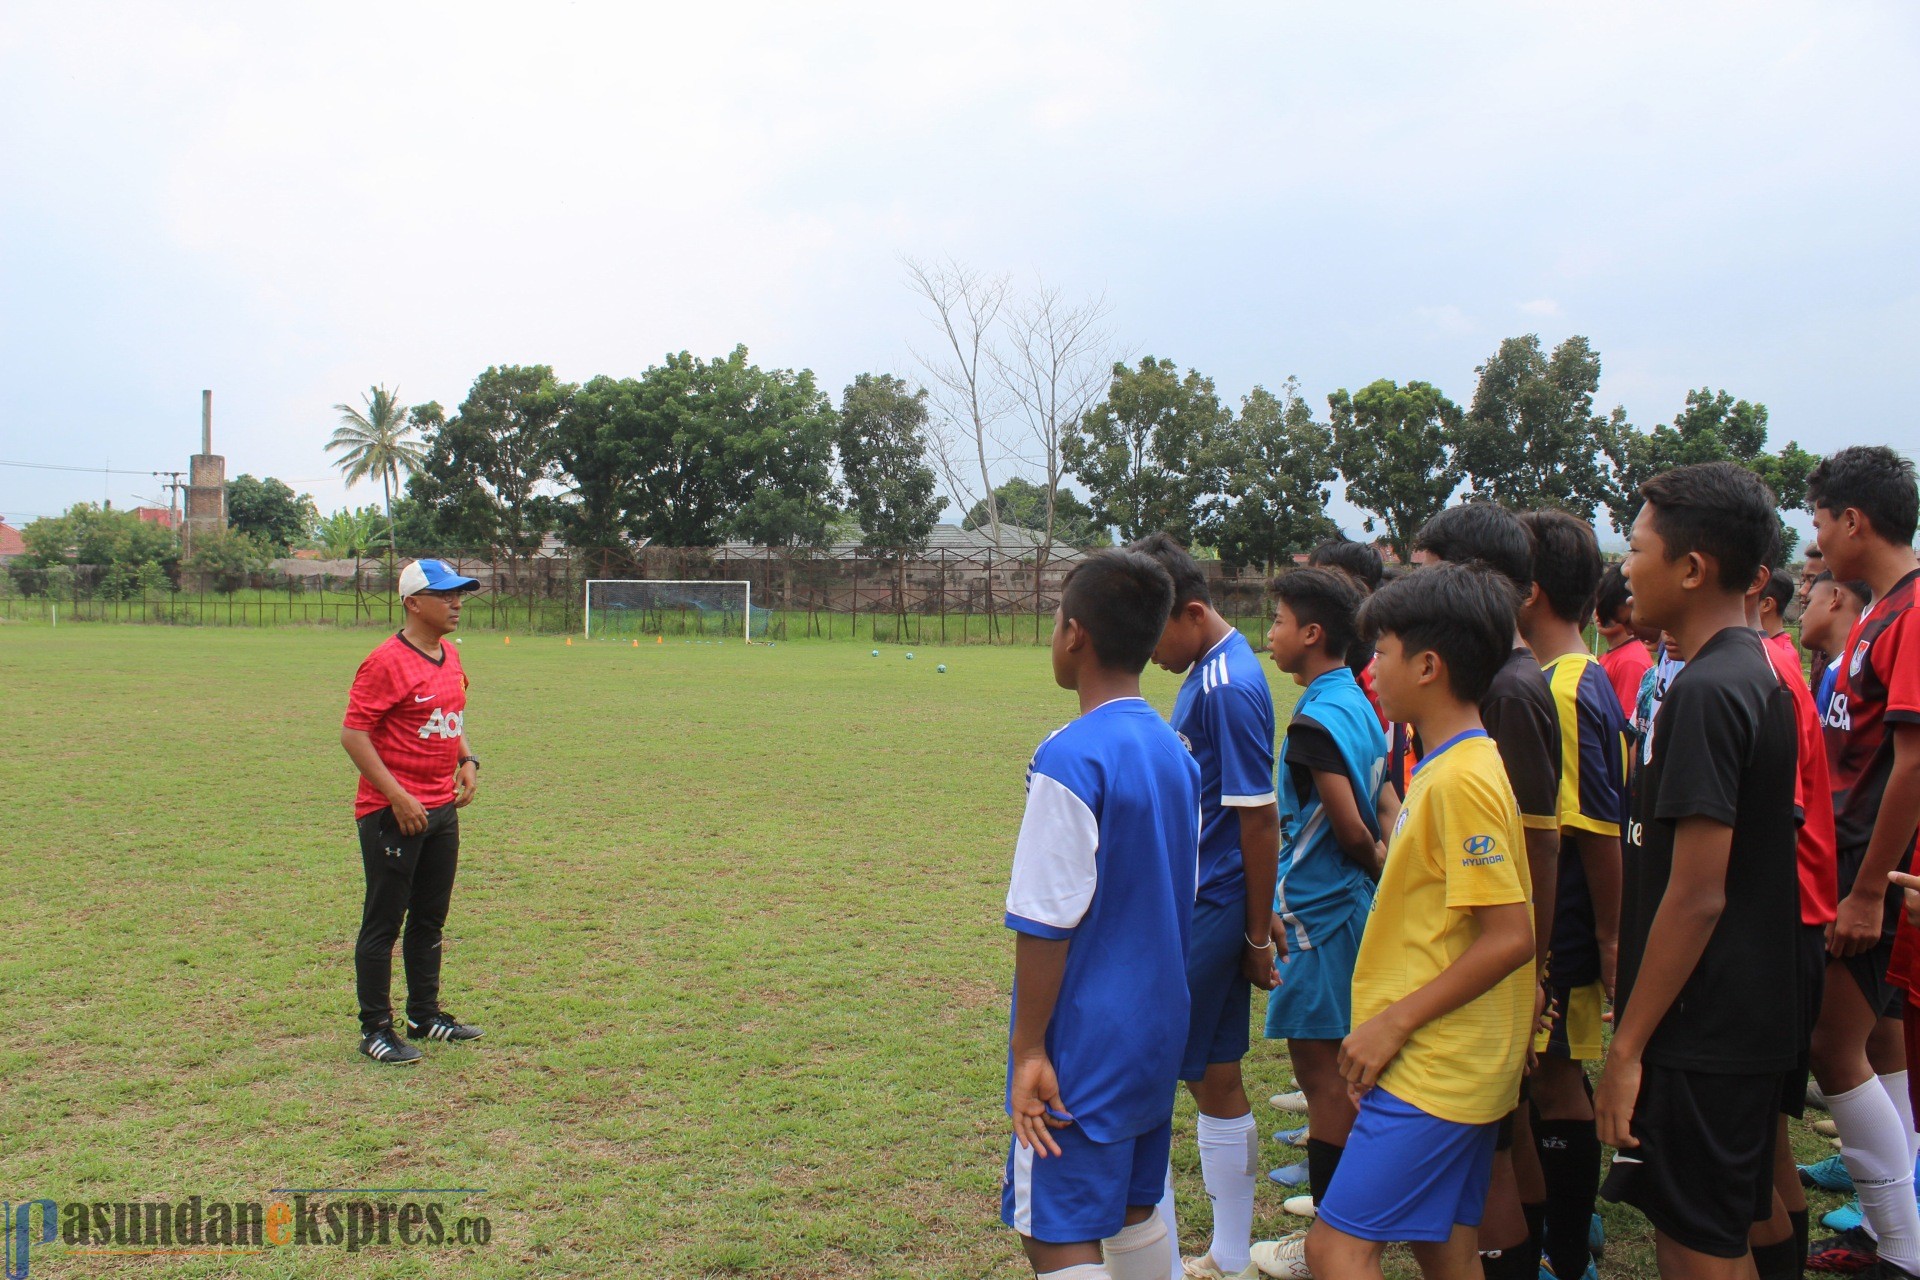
{"x":350,"y":1218}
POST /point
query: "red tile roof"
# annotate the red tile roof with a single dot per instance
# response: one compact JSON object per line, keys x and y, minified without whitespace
{"x":10,"y":543}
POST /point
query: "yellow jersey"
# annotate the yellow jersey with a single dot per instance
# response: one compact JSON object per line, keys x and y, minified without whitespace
{"x":1458,"y":845}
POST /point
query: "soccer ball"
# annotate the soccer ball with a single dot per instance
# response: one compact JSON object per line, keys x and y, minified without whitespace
{"x":876,"y":653}
{"x":942,"y":668}
{"x":909,"y":657}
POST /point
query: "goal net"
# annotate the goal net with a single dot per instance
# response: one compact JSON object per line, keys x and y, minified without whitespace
{"x":620,"y":607}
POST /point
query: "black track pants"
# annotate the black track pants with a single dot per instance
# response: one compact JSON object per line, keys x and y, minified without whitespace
{"x":410,"y":883}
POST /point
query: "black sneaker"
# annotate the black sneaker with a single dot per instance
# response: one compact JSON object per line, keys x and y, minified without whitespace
{"x":1881,"y":1269}
{"x":385,"y":1046}
{"x":442,"y":1026}
{"x":1849,"y":1253}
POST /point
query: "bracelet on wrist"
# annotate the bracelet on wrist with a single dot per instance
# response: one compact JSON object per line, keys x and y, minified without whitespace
{"x":1258,"y":946}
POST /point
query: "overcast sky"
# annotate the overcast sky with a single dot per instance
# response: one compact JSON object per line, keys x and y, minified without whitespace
{"x":290,"y":203}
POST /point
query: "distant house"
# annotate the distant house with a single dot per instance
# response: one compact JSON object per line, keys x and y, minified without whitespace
{"x":11,"y":545}
{"x":158,"y":515}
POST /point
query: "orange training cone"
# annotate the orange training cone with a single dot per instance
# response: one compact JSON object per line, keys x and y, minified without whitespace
{"x":659,"y":639}
{"x":506,"y":640}
{"x":569,"y":642}
{"x":636,"y":644}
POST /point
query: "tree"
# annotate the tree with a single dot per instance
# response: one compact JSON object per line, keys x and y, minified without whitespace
{"x":1277,"y":462}
{"x":1054,"y":365}
{"x":1394,"y":447}
{"x":1023,"y":504}
{"x":882,"y":441}
{"x":1712,"y":427}
{"x":1531,"y":438}
{"x":227,"y":560}
{"x":485,"y":467}
{"x":599,"y":447}
{"x":1144,"y":451}
{"x":968,"y":402}
{"x":380,"y":441}
{"x":114,"y":545}
{"x":348,"y":534}
{"x":270,"y":511}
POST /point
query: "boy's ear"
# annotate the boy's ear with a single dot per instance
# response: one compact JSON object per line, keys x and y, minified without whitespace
{"x":1193,"y":611}
{"x":1427,"y":666}
{"x":1312,"y":634}
{"x":1698,"y":573}
{"x":1074,"y":635}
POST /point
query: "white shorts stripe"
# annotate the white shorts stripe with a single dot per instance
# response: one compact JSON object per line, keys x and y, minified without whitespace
{"x":1022,"y":1189}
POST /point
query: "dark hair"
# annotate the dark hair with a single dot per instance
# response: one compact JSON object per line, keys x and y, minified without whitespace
{"x":1481,"y":531}
{"x":1858,"y":590}
{"x":1780,"y":587}
{"x":1566,"y":562}
{"x":1122,"y":599}
{"x":1876,"y":482}
{"x":1613,"y":594}
{"x":1717,"y":509}
{"x":1189,"y":583}
{"x":1328,"y":598}
{"x":1360,"y":559}
{"x":1463,"y":612}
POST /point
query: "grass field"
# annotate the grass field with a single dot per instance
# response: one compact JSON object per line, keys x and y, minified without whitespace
{"x":730,"y":916}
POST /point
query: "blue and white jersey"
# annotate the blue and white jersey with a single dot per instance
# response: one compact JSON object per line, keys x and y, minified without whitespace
{"x":1106,"y":858}
{"x":1225,"y":716}
{"x":1823,"y":692}
{"x":1334,"y":729}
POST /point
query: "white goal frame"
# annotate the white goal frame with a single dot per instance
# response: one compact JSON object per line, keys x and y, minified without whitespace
{"x":746,"y":608}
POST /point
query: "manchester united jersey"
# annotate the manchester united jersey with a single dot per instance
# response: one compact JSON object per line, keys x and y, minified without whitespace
{"x":412,"y":709}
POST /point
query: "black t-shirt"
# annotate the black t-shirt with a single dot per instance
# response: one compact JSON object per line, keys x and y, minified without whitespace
{"x":1723,"y":747}
{"x":1310,"y":747}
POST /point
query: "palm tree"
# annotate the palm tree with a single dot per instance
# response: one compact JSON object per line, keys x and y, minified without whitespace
{"x":377,"y":442}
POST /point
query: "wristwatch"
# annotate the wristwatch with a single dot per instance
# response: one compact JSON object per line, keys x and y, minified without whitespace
{"x":472,"y":760}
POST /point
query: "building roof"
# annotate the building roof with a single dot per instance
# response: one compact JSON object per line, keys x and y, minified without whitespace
{"x":11,"y":544}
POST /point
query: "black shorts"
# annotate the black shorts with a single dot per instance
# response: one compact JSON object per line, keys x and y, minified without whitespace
{"x":1503,"y":1136}
{"x":1869,"y":970}
{"x":1810,"y":968}
{"x":1703,"y":1172}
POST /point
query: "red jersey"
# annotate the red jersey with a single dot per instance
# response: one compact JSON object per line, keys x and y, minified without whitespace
{"x":1365,"y":677}
{"x":412,"y":708}
{"x":1814,"y":854}
{"x":1878,"y":685}
{"x":1626,"y":666}
{"x":1784,"y":643}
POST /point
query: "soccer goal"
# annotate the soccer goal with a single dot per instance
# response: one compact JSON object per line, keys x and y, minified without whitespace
{"x":618,"y":607}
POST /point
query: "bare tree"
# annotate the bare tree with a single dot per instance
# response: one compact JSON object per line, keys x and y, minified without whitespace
{"x":1055,"y":365}
{"x":968,"y":400}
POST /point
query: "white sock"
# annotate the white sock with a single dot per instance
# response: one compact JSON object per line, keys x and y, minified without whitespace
{"x":1138,"y":1251}
{"x":1168,"y":1219}
{"x":1085,"y":1271}
{"x":1896,"y":1087}
{"x":1229,"y":1159}
{"x":1873,"y":1145}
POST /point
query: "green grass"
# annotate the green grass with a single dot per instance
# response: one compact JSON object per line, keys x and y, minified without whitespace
{"x":730,"y":915}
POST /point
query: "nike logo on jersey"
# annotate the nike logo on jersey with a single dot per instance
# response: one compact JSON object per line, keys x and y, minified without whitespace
{"x":429,"y":698}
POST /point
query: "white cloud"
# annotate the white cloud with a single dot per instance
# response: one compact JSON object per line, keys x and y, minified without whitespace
{"x":1540,"y":307}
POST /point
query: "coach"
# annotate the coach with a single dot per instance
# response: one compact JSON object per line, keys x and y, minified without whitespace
{"x":405,"y":732}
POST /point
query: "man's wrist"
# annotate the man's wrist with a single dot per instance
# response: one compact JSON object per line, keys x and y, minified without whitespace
{"x":469,"y":760}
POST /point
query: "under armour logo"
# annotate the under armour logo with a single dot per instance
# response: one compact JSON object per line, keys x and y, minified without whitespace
{"x":393,"y":852}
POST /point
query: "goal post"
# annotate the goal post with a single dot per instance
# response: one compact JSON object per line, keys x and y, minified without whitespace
{"x":648,"y":606}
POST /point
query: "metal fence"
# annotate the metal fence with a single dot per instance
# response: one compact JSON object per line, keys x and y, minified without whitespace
{"x":973,"y":597}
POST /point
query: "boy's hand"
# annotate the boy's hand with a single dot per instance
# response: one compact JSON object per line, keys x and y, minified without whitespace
{"x":1365,"y":1053}
{"x":1257,"y":966}
{"x":1277,"y":930}
{"x":1609,"y":966}
{"x":1857,"y":927}
{"x":408,"y":814}
{"x":1034,"y":1094}
{"x":1614,"y":1100}
{"x":466,"y":785}
{"x":1911,"y":884}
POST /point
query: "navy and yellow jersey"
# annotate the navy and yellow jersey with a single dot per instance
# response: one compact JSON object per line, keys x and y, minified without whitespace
{"x":1594,"y":746}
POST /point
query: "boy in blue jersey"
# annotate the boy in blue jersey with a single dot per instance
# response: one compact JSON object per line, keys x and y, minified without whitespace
{"x":1224,"y":713}
{"x":1331,"y":765}
{"x":1585,"y":939}
{"x":1101,"y":900}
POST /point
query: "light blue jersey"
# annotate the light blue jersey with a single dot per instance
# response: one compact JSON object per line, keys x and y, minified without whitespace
{"x":1224,"y":714}
{"x":1319,"y":887}
{"x":1106,"y":857}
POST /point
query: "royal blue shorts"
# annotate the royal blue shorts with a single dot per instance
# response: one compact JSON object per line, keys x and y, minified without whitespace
{"x":1222,"y":1000}
{"x":1407,"y":1175}
{"x":1084,"y":1192}
{"x":1314,"y":1000}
